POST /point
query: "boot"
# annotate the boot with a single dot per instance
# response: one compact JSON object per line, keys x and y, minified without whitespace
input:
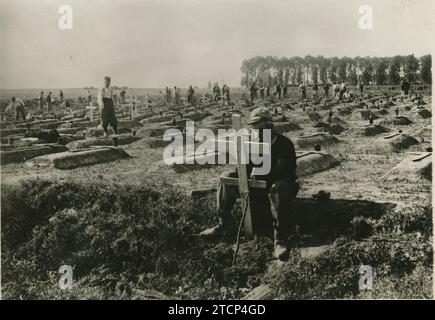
{"x":281,"y":251}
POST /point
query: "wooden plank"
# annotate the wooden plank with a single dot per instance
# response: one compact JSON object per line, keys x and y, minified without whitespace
{"x":243,"y":180}
{"x":421,"y":157}
{"x":256,"y":184}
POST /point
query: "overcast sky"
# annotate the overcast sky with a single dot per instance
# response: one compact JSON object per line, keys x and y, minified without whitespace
{"x":159,"y":43}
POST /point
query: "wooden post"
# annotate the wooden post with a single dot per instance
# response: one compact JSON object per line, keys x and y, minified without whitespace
{"x":243,"y":179}
{"x":91,"y":108}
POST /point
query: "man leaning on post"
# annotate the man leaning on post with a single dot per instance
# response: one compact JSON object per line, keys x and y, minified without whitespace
{"x":107,"y":108}
{"x":274,"y":203}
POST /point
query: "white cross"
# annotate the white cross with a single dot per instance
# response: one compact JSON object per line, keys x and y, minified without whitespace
{"x":91,"y":108}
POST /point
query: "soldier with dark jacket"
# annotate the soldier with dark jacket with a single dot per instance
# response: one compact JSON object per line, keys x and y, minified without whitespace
{"x":272,"y":205}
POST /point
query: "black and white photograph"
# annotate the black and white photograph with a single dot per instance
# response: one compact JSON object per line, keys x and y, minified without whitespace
{"x":231,"y":150}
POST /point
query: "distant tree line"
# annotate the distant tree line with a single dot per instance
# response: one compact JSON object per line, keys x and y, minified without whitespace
{"x":369,"y":70}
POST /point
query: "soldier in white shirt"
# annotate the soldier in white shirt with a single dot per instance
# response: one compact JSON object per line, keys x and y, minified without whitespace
{"x":107,"y":108}
{"x":15,"y":109}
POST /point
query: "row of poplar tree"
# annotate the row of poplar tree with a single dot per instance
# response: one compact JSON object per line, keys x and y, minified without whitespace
{"x":369,"y":70}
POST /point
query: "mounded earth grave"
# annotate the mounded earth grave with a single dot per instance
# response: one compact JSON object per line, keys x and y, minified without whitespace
{"x":25,"y":153}
{"x":308,"y":141}
{"x":416,"y":165}
{"x":80,"y":158}
{"x":396,"y":142}
{"x":368,"y":130}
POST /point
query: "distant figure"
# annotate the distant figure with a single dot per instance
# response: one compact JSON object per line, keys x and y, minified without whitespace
{"x":262,"y":92}
{"x":122,"y":95}
{"x":284,"y":91}
{"x":326,"y":87}
{"x":315,"y":90}
{"x":342,"y":90}
{"x":176,"y":96}
{"x":371,"y":117}
{"x":61,"y":96}
{"x":267,"y":91}
{"x":106,"y":106}
{"x":190,"y":93}
{"x":41,"y":101}
{"x":303,"y":91}
{"x":48,"y":101}
{"x":278,"y":91}
{"x":15,"y":109}
{"x":397,"y":111}
{"x":89,"y":96}
{"x":170,"y":95}
{"x":360,"y":86}
{"x":226,"y":93}
{"x":330,"y":115}
{"x":253,"y":92}
{"x":216,"y":92}
{"x":405,"y":86}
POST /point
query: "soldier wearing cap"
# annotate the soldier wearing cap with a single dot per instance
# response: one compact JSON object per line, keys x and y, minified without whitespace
{"x":271,"y":206}
{"x":107,"y":108}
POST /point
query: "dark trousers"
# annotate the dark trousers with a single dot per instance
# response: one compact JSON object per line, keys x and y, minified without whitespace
{"x":20,"y":111}
{"x":271,"y":208}
{"x":108,"y":115}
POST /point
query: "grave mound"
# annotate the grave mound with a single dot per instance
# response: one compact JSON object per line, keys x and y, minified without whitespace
{"x":365,"y":115}
{"x":281,"y":127}
{"x":314,"y":116}
{"x":23,"y":154}
{"x":393,"y":143}
{"x":424,"y":113}
{"x":84,"y":144}
{"x":74,"y":159}
{"x":309,"y":163}
{"x":369,"y":130}
{"x":310,"y":140}
{"x":416,"y":165}
{"x":400,"y":120}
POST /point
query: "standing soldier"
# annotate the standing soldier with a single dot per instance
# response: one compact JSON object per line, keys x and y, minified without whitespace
{"x":226,"y":93}
{"x":371,"y":118}
{"x":253,"y":91}
{"x":89,"y":96}
{"x":326,"y":88}
{"x":216,"y":92}
{"x":267,"y":91}
{"x":262,"y":92}
{"x":284,"y":91}
{"x":48,"y":100}
{"x":122,"y":94}
{"x":190,"y":93}
{"x":61,"y":96}
{"x":315,"y":90}
{"x":41,"y":101}
{"x":278,"y":91}
{"x":303,"y":91}
{"x":361,"y":88}
{"x":176,"y":96}
{"x":106,"y":106}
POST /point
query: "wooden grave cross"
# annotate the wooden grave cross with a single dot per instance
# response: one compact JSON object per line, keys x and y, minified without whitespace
{"x":91,"y":108}
{"x":133,"y":107}
{"x":243,"y":182}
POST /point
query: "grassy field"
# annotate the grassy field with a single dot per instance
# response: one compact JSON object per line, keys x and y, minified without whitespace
{"x":129,"y":227}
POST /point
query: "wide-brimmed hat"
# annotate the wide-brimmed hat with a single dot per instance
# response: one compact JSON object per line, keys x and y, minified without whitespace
{"x":260,"y":114}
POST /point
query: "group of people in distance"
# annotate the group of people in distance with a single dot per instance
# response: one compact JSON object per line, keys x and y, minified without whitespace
{"x":340,"y":91}
{"x":215,"y":94}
